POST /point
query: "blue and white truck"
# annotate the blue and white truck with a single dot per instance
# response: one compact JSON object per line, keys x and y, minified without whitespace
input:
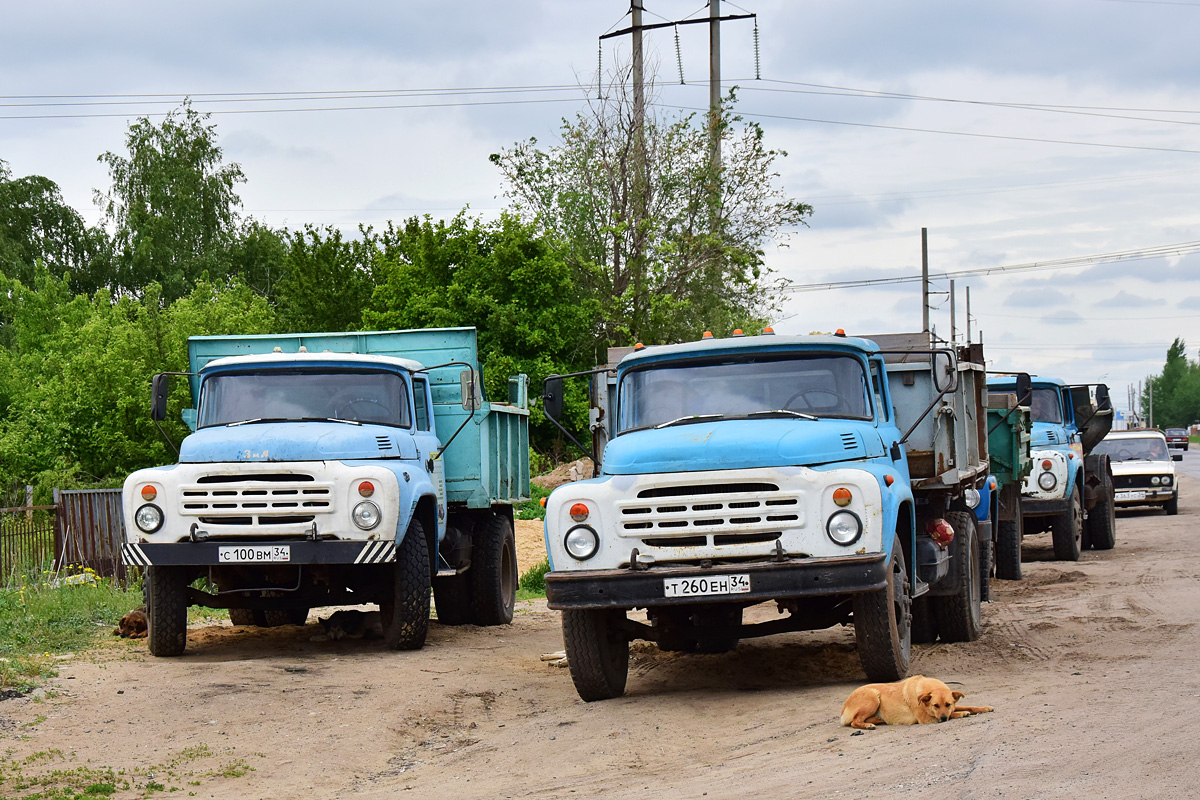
{"x":333,"y":469}
{"x":833,"y":476}
{"x":1070,"y":489}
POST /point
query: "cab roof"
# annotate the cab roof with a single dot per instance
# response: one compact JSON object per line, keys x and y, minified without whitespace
{"x":763,"y":343}
{"x":315,"y":359}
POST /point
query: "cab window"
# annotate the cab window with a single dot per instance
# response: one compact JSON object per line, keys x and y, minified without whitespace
{"x":420,"y":406}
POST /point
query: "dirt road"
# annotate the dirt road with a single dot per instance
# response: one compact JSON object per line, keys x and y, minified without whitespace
{"x":1092,"y":668}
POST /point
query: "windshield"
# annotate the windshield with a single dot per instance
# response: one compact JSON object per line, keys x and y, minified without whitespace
{"x":1044,"y":407}
{"x":818,"y":386}
{"x":1144,"y":448}
{"x":356,"y":395}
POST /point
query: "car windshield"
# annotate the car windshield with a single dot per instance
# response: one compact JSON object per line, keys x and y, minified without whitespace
{"x":1134,"y":448}
{"x":795,"y":387}
{"x":1044,"y":406}
{"x":362,"y":396}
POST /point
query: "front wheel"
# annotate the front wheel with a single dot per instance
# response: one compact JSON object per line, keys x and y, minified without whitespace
{"x":1172,"y":505}
{"x":1066,"y":529}
{"x":1008,"y":549}
{"x":597,"y":652}
{"x":166,"y":590}
{"x":404,"y":609}
{"x":959,"y":617}
{"x":882,"y":623}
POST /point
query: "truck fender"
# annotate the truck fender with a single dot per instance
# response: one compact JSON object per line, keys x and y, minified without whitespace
{"x":1097,"y":479}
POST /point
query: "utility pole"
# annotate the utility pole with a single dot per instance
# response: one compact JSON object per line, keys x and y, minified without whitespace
{"x":952,"y":321}
{"x":968,"y":315}
{"x":714,"y":82}
{"x":639,"y":90}
{"x":924,"y":280}
{"x":1150,"y":389}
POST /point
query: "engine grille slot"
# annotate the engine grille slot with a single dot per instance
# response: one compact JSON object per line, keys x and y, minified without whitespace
{"x":681,"y":541}
{"x":722,"y":509}
{"x":745,"y":538}
{"x":849,"y":441}
{"x":257,"y":499}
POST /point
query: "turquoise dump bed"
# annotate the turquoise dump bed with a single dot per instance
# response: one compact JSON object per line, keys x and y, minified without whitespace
{"x":487,"y":463}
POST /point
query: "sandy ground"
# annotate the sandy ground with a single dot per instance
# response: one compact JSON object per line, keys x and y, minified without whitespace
{"x":1092,"y":667}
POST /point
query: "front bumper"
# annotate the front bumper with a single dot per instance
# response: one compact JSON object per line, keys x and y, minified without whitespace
{"x":1032,"y":507}
{"x":210,"y":553}
{"x":643,"y":588}
{"x":1152,"y":497}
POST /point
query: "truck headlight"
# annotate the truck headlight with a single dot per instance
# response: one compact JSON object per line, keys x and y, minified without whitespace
{"x":1047,"y":481}
{"x":844,"y":528}
{"x":366,"y":515}
{"x":971,"y":498}
{"x":581,"y":542}
{"x":148,"y":518}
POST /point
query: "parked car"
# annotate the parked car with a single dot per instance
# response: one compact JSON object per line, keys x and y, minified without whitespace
{"x":1177,"y":437}
{"x":1143,"y":469}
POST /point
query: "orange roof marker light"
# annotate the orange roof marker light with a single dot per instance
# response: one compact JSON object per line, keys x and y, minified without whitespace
{"x":738,"y":332}
{"x":707,"y":335}
{"x":639,"y":346}
{"x":769,"y":331}
{"x":839,"y":332}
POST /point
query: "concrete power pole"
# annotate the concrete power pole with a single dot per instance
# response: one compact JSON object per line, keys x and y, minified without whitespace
{"x":639,"y":89}
{"x":714,"y":81}
{"x":952,"y":320}
{"x":925,"y":280}
{"x":968,"y":315}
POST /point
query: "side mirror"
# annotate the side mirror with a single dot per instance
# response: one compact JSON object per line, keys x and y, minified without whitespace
{"x":160,"y":389}
{"x":1024,"y":388}
{"x":472,"y":391}
{"x":552,"y":400}
{"x":1102,"y":401}
{"x":1177,"y":456}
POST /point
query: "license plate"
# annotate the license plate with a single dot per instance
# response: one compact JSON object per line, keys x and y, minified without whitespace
{"x":1130,"y":496}
{"x":253,"y":555}
{"x":717,"y":584}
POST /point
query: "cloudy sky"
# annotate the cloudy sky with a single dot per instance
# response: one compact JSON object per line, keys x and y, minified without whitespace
{"x":1018,"y":132}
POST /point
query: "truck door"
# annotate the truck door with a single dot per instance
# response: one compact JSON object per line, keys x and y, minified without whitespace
{"x":1094,"y":420}
{"x":427,"y":441}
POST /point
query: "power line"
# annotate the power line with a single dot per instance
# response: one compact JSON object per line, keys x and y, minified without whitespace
{"x":1162,"y":251}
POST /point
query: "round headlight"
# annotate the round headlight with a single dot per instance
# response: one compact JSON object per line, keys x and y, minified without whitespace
{"x":1154,"y":481}
{"x":971,"y":498}
{"x":366,"y":515}
{"x":1047,"y":481}
{"x":844,"y":528}
{"x":148,"y":518}
{"x":581,"y":542}
{"x":1166,"y":481}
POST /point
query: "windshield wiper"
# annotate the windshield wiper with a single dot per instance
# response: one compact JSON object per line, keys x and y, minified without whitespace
{"x":787,"y":411}
{"x":688,"y":420}
{"x":330,"y":419}
{"x":254,"y":421}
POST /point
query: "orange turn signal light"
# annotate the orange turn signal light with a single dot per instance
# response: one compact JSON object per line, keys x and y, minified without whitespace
{"x":1047,"y":464}
{"x":889,"y":480}
{"x":366,"y":488}
{"x":149,"y":493}
{"x":842,"y":496}
{"x":579,"y":512}
{"x":542,"y":502}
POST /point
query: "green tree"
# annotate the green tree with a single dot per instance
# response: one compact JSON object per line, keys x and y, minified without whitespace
{"x":327,"y":281}
{"x":668,"y":241}
{"x":172,"y":206}
{"x":38,"y":227}
{"x":1176,"y":391}
{"x":504,"y":279}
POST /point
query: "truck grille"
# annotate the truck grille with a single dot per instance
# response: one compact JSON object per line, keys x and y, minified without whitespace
{"x":262,"y":499}
{"x":713,"y":514}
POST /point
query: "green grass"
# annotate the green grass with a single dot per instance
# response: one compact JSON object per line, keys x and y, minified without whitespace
{"x":532,"y":508}
{"x":39,"y":620}
{"x":533,"y":583}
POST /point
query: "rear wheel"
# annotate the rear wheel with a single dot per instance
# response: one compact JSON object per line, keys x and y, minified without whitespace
{"x":167,"y":609}
{"x":597,"y":652}
{"x":405,"y":608}
{"x":959,"y":617}
{"x":1008,"y":549}
{"x":882,"y":623}
{"x":1102,"y":521}
{"x":1066,"y":529}
{"x":493,"y":572}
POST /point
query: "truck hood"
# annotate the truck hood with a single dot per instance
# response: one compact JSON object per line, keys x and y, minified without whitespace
{"x":741,"y":444}
{"x":1047,"y":434}
{"x":296,"y":441}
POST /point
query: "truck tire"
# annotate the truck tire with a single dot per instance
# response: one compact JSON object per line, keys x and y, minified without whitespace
{"x":167,"y":610}
{"x":405,"y":608}
{"x":1066,"y":529}
{"x":597,"y":652}
{"x":493,"y":572}
{"x":959,"y":616}
{"x":1008,"y":549}
{"x":882,"y":623}
{"x":1102,"y":522}
{"x":1172,"y":505}
{"x":985,"y":569}
{"x":452,"y":597}
{"x":924,"y":626}
{"x":242,"y":616}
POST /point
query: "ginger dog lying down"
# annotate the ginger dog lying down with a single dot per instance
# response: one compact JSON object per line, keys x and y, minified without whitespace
{"x":914,"y":701}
